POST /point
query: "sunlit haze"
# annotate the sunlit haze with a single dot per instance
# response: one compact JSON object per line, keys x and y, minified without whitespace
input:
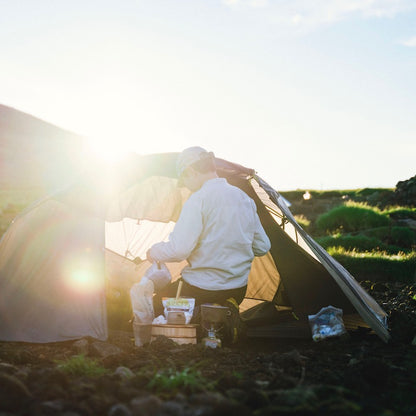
{"x":313,"y":95}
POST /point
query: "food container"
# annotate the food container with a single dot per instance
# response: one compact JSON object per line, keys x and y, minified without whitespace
{"x":178,"y":310}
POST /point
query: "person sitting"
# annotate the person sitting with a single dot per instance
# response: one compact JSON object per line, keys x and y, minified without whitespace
{"x":218,"y":232}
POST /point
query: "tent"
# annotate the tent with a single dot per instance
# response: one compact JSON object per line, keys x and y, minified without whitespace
{"x":66,"y":260}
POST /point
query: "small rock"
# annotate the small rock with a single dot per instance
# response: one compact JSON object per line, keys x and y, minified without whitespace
{"x":13,"y":393}
{"x":353,"y":361}
{"x":8,"y":368}
{"x":409,"y":223}
{"x":124,"y":372}
{"x":51,"y":407}
{"x":173,"y":408}
{"x":81,"y":346}
{"x":295,"y":357}
{"x":236,"y":394}
{"x":208,"y":398}
{"x":105,"y":350}
{"x":119,"y":409}
{"x":207,"y":404}
{"x":145,"y":406}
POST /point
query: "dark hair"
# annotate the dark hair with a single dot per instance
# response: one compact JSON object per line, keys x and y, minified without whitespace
{"x":205,"y":164}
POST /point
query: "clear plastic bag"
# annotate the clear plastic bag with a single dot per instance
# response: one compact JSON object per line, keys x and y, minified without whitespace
{"x":141,"y":295}
{"x":327,"y":323}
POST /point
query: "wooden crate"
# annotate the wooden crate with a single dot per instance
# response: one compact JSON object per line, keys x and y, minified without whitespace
{"x":181,"y":334}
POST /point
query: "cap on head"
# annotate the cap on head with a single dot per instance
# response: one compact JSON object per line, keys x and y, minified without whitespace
{"x":188,"y":157}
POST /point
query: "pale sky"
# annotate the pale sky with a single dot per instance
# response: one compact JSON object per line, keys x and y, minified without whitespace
{"x":312,"y":94}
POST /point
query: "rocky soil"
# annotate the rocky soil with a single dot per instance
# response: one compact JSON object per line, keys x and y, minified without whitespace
{"x":356,"y":374}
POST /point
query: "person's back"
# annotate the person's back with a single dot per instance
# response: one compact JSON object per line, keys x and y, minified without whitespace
{"x":224,"y":252}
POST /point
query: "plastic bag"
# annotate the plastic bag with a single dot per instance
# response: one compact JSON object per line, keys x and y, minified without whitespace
{"x":159,"y":274}
{"x":141,"y":295}
{"x":160,"y":320}
{"x":327,"y":323}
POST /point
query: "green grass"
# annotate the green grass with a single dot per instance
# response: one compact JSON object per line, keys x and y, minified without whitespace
{"x":389,"y":239}
{"x":350,"y":217}
{"x":377,"y":265}
{"x":400,"y":212}
{"x":171,"y":380}
{"x":79,"y":365}
{"x":358,"y":242}
{"x":395,"y":235}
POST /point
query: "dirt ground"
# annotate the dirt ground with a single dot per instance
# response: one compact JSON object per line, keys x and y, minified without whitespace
{"x":356,"y":374}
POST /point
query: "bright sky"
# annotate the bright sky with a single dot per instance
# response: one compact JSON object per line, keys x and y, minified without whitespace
{"x":312,"y":94}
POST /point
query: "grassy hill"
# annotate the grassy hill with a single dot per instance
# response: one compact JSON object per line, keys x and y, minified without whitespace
{"x":371,"y":238}
{"x":34,"y":153}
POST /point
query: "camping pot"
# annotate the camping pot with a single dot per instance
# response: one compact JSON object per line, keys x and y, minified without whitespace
{"x":213,"y":315}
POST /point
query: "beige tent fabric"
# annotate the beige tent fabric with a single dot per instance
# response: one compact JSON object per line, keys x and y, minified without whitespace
{"x":52,"y":269}
{"x":264,"y":279}
{"x":278,"y":215}
{"x":157,"y":198}
{"x":132,"y":238}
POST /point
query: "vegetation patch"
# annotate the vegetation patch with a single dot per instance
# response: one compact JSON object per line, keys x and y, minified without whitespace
{"x":350,"y":217}
{"x":79,"y":365}
{"x":400,"y":212}
{"x":302,"y":221}
{"x":171,"y":380}
{"x":377,"y":265}
{"x":358,"y":242}
{"x":392,"y":240}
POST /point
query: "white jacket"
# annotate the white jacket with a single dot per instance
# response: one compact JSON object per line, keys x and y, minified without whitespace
{"x":219,"y":233}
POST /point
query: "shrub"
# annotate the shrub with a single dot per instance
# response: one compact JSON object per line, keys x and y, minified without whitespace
{"x":351,"y":217}
{"x":389,"y":239}
{"x":400,"y":213}
{"x":80,"y":365}
{"x":377,"y":265}
{"x":403,"y":236}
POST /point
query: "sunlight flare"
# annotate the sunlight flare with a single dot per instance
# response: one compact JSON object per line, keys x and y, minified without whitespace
{"x":84,"y":275}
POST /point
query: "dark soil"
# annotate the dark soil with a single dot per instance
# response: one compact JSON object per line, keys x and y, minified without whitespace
{"x":356,"y":374}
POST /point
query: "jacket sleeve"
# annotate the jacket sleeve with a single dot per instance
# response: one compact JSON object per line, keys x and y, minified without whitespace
{"x":261,"y":242}
{"x":184,"y":237}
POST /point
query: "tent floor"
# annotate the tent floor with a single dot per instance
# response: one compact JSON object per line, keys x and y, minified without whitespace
{"x":296,"y":329}
{"x":265,"y":320}
{"x":268,"y":321}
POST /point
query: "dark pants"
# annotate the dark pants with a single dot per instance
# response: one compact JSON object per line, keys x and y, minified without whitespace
{"x":200,"y":295}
